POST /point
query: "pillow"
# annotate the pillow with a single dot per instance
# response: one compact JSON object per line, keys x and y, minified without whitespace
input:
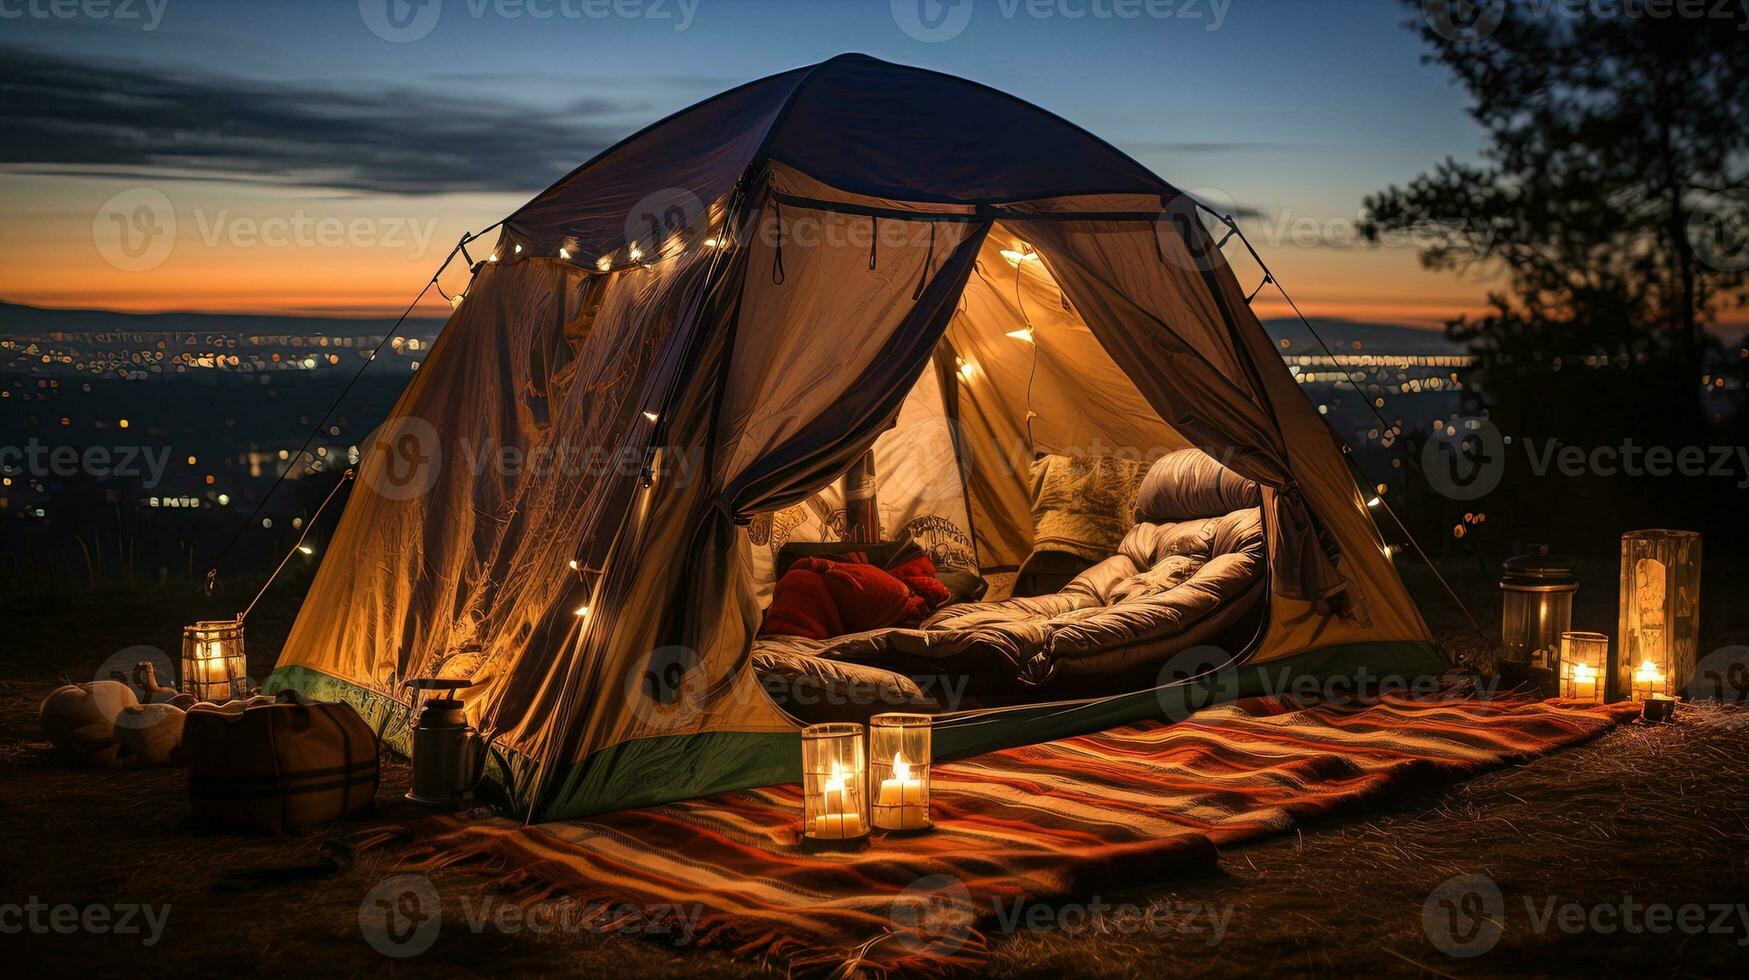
{"x":961,"y":585}
{"x":1189,"y":484}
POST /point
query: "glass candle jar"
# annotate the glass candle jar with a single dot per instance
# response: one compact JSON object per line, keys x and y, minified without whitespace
{"x":1660,"y":613}
{"x":1536,"y":607}
{"x":1584,"y":661}
{"x":834,"y":783}
{"x":899,"y":753}
{"x":213,"y":665}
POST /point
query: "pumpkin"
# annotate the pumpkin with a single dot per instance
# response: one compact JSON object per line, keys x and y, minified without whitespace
{"x":152,"y":733}
{"x":80,"y":720}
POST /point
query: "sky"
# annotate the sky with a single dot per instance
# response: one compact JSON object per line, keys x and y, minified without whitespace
{"x":321,"y":157}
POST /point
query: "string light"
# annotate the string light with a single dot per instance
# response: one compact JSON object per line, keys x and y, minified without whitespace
{"x":455,"y":301}
{"x":1024,"y":253}
{"x":306,"y":549}
{"x":582,"y":611}
{"x":519,"y":250}
{"x":492,"y":258}
{"x":652,"y":416}
{"x":1024,"y":333}
{"x":967,"y":368}
{"x":563,"y":254}
{"x":1374,"y":501}
{"x":634,"y":251}
{"x":573,"y":564}
{"x":711,"y":243}
{"x":604,"y":263}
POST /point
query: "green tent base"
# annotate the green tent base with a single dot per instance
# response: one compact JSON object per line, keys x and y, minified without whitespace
{"x":666,"y":768}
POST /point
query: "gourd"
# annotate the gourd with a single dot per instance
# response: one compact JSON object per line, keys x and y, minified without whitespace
{"x":80,"y":719}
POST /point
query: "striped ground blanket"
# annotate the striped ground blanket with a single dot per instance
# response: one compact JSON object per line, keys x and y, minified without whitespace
{"x":1050,"y":822}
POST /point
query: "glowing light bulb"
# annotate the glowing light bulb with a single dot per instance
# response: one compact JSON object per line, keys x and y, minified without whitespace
{"x":455,"y":301}
{"x":306,"y":549}
{"x":967,"y":368}
{"x":1024,"y":253}
{"x":634,"y":251}
{"x":711,"y":243}
{"x":519,"y":250}
{"x":1374,"y":501}
{"x":652,"y":416}
{"x":563,"y":254}
{"x":604,"y":263}
{"x":1024,"y":333}
{"x":573,"y":564}
{"x":492,"y":258}
{"x":582,"y":611}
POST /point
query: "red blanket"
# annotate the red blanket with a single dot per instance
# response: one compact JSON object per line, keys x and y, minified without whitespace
{"x":820,"y":598}
{"x":1045,"y":823}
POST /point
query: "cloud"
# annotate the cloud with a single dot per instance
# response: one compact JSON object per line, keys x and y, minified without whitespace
{"x":74,"y":117}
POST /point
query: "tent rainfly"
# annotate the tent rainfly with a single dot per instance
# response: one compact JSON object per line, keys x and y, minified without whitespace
{"x":710,"y":323}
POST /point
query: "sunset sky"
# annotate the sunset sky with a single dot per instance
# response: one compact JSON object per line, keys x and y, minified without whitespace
{"x":308,"y":165}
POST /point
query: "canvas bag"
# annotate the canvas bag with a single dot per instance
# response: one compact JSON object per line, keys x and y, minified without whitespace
{"x":280,"y":767}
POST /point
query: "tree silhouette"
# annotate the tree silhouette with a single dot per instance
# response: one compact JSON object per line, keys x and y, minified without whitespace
{"x":1611,"y":206}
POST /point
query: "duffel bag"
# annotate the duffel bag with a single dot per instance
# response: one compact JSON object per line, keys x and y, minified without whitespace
{"x":281,"y":767}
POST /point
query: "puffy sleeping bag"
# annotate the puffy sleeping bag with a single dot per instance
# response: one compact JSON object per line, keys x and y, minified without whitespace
{"x":1189,"y":573}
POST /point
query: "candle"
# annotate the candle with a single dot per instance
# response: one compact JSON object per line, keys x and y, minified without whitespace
{"x":1584,"y":682}
{"x":901,"y":804}
{"x":1648,"y":680}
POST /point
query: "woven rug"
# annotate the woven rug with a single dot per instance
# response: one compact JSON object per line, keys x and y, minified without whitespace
{"x":1050,"y":822}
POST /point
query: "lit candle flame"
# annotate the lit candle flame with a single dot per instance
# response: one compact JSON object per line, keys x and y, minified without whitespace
{"x":901,"y":768}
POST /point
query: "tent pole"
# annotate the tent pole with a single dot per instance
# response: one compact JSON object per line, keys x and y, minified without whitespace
{"x":862,"y":519}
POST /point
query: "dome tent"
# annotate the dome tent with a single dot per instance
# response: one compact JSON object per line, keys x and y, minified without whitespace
{"x":710,"y":323}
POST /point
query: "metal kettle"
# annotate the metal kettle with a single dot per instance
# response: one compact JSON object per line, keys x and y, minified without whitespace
{"x":449,"y":755}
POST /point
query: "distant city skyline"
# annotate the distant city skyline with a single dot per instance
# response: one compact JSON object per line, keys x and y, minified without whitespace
{"x":321,"y":159}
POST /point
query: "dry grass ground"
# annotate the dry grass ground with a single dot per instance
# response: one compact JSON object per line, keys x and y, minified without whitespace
{"x":1655,"y":816}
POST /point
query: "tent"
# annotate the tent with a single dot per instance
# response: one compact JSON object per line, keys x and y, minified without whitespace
{"x":708,"y":324}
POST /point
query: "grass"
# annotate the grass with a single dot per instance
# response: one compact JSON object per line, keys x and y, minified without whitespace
{"x":1659,"y":814}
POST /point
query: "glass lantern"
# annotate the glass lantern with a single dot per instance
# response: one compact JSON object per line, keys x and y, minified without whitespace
{"x":213,"y":665}
{"x":899,"y":752}
{"x":834,"y":784}
{"x":1536,"y":607}
{"x":1660,"y":613}
{"x":1584,"y":660}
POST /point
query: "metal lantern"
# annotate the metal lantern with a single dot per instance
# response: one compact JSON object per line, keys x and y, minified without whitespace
{"x":1660,"y":613}
{"x":1584,"y":666}
{"x":1536,"y":607}
{"x":834,"y":784}
{"x":899,"y":752}
{"x":213,"y":665}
